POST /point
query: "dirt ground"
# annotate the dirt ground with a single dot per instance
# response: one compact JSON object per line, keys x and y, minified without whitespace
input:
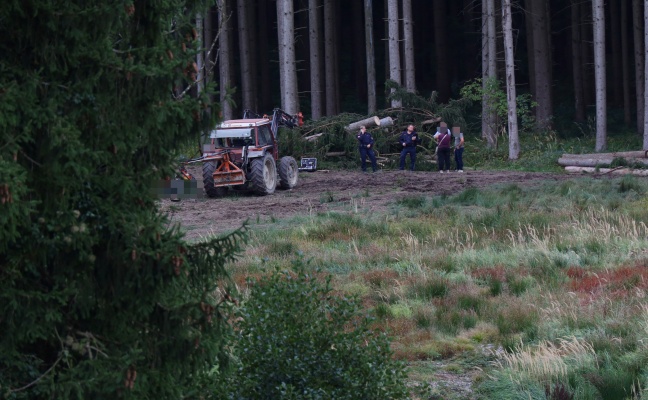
{"x":322,"y":191}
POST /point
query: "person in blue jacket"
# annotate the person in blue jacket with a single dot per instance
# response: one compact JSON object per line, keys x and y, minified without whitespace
{"x":365,"y":145}
{"x":409,"y":140}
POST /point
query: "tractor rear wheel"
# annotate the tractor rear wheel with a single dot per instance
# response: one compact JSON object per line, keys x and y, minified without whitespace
{"x":263,"y":175}
{"x":208,"y":181}
{"x":288,"y":173}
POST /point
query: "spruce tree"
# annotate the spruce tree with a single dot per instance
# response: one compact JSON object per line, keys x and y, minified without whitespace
{"x":99,"y":297}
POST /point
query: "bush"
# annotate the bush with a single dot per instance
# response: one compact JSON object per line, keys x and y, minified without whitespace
{"x":296,"y":339}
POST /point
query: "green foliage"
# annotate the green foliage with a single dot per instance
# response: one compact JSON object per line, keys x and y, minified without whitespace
{"x":495,"y":93}
{"x":99,"y":297}
{"x":296,"y":339}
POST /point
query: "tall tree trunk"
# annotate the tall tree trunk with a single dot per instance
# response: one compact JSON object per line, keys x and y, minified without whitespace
{"x":528,"y":19}
{"x":598,"y":18}
{"x":369,"y":56}
{"x":200,"y":57}
{"x":442,"y":62}
{"x":625,"y":67}
{"x":224,"y":59}
{"x":288,"y":81}
{"x":488,"y":114}
{"x":615,"y":46}
{"x":209,"y":52}
{"x":359,"y":48}
{"x":408,"y":42}
{"x":244,"y":55}
{"x":394,"y":47}
{"x":507,"y":28}
{"x":265,"y":100}
{"x":645,"y":54}
{"x":253,"y":50}
{"x":577,"y":62}
{"x":586,"y":52}
{"x":315,"y":59}
{"x":639,"y":61}
{"x":329,"y":56}
{"x":542,"y":66}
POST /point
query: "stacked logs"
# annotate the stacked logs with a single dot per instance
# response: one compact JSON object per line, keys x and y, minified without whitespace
{"x":602,"y":162}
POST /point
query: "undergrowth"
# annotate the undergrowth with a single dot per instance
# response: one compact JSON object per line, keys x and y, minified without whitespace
{"x":553,"y":276}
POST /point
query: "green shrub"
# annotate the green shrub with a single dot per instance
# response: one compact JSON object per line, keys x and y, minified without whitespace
{"x":295,"y":336}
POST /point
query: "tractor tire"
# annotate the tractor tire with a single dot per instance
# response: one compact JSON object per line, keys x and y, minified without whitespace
{"x":288,"y":173}
{"x":263,"y":175}
{"x":208,"y":181}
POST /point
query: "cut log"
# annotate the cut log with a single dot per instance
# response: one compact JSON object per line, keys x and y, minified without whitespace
{"x":387,"y":121}
{"x":369,"y":122}
{"x":336,"y":154}
{"x":431,"y":121}
{"x":593,"y":162}
{"x":612,"y":171}
{"x":313,"y":137}
{"x":624,"y":154}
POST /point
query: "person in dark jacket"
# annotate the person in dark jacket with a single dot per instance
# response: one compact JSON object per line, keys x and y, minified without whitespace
{"x":444,"y":140}
{"x":365,"y":145}
{"x":409,"y":140}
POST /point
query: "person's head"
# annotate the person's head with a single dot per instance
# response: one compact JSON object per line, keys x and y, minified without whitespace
{"x":363,"y":129}
{"x":443,"y":127}
{"x":410,"y":128}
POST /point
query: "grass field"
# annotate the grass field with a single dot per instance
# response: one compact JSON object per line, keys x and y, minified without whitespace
{"x":525,"y":292}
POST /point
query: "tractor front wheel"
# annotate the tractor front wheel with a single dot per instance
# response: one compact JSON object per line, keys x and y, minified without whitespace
{"x":288,"y":172}
{"x":208,"y":181}
{"x":263,"y":175}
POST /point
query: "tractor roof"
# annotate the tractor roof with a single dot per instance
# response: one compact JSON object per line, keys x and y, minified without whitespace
{"x":243,"y":123}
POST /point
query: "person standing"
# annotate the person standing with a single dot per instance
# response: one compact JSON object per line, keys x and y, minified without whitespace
{"x":409,"y":140}
{"x":458,"y":147}
{"x":365,"y":146}
{"x":443,"y":148}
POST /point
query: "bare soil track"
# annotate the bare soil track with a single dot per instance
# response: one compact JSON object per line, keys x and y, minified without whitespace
{"x":323,"y":191}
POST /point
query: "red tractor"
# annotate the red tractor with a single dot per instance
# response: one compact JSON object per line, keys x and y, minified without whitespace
{"x":244,"y":153}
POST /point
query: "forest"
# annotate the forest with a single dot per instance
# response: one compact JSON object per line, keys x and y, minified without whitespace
{"x":441,"y":46}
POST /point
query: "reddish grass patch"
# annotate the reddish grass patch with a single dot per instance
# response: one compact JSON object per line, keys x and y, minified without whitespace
{"x":380,"y":278}
{"x":618,"y":282}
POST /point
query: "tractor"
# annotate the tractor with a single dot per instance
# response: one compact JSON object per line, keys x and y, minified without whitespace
{"x":243,"y":153}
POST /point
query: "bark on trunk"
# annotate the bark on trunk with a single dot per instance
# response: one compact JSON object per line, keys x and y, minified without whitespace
{"x":290,"y":95}
{"x":639,"y":60}
{"x":615,"y":46}
{"x":542,"y":65}
{"x":593,"y":162}
{"x":329,"y":56}
{"x":394,"y":47}
{"x":598,"y":18}
{"x":442,"y":62}
{"x":224,"y":60}
{"x":625,"y":67}
{"x":315,"y":59}
{"x":264,"y":70}
{"x":488,"y":74}
{"x":244,"y":55}
{"x":369,"y":56}
{"x":624,"y":154}
{"x":577,"y":62}
{"x":408,"y":41}
{"x":507,"y":27}
{"x":645,"y":55}
{"x":368,"y":122}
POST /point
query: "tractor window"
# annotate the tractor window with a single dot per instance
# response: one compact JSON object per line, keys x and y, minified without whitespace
{"x":265,"y":136}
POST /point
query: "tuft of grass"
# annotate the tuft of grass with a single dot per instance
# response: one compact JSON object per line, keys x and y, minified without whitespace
{"x":428,"y":289}
{"x":412,"y":202}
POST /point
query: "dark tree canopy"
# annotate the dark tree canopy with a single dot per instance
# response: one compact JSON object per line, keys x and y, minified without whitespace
{"x":99,"y":297}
